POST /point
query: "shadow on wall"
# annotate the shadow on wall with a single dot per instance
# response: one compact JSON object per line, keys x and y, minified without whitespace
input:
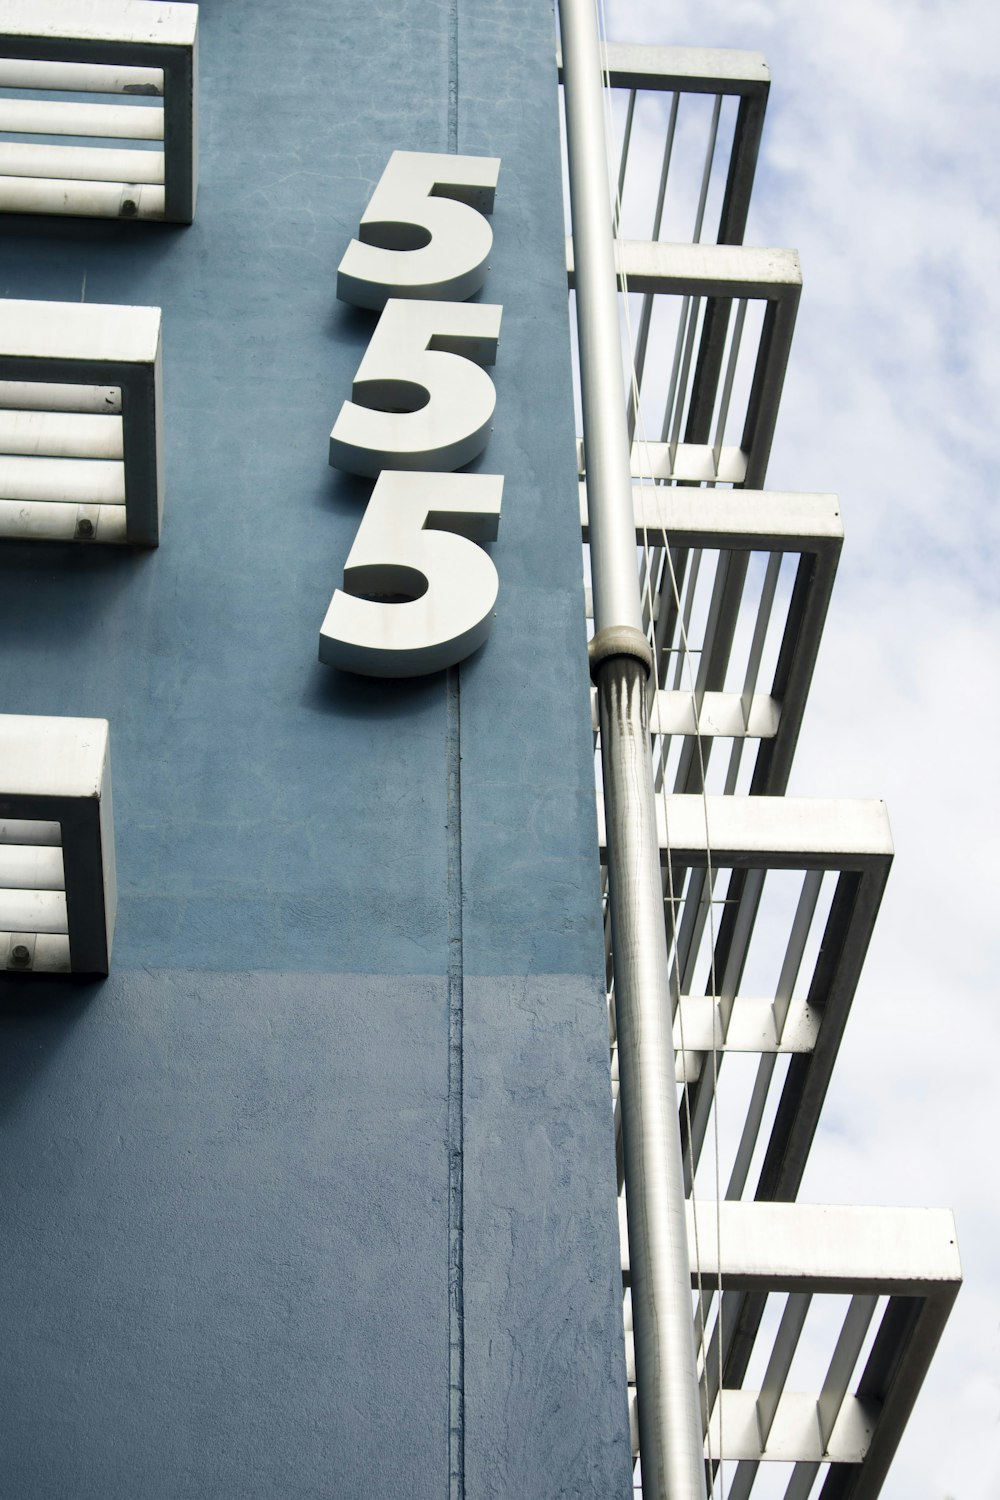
{"x":37,"y":1017}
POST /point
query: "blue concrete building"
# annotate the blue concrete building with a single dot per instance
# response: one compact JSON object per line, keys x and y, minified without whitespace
{"x":314,"y":1194}
{"x":361,"y":1123}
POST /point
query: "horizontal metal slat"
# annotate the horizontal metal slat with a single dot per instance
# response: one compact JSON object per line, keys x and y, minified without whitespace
{"x":34,"y":867}
{"x":94,"y":200}
{"x":78,"y":78}
{"x":31,"y":831}
{"x":33,"y":911}
{"x":63,"y":481}
{"x":81,"y":163}
{"x":42,"y":520}
{"x":60,"y":434}
{"x":108,"y":121}
{"x":47,"y":395}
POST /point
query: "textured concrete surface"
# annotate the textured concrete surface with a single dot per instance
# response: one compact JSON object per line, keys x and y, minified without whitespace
{"x":314,"y":1196}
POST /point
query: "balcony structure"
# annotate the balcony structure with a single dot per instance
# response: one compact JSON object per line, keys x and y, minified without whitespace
{"x":812,"y":1326}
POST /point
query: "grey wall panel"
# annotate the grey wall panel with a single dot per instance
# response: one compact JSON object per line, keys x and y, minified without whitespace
{"x":221,"y":1270}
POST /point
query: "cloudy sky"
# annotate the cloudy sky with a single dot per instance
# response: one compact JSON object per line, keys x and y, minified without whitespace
{"x":880,"y":166}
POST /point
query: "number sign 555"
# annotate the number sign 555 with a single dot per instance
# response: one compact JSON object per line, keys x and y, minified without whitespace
{"x":418,"y":592}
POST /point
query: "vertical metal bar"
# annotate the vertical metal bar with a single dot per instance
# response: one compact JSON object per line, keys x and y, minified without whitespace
{"x":645,"y":317}
{"x":682,"y":329}
{"x":684,"y":634}
{"x":786,"y":1342}
{"x":751,"y":1126}
{"x":694,"y":307}
{"x":733,"y":771}
{"x":767,"y":594}
{"x":746,"y":916}
{"x":804,"y":913}
{"x":845,"y":1357}
{"x":623,"y":163}
{"x":694,"y":915}
{"x":670,"y":1430}
{"x":706,"y":176}
{"x":727,"y":387}
{"x":802,"y":1480}
{"x":742,"y":1481}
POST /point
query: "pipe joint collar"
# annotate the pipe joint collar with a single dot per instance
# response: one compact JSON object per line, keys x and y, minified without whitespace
{"x":619,"y":640}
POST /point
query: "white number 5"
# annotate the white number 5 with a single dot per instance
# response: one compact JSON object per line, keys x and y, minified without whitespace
{"x":423,"y":233}
{"x":420,"y":593}
{"x":421,"y":400}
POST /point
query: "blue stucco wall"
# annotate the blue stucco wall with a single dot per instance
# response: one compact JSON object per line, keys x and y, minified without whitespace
{"x":314,"y":1196}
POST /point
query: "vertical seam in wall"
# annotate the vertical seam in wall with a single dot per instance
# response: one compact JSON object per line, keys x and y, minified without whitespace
{"x":456,"y":1124}
{"x":453,"y":76}
{"x":456,"y":1330}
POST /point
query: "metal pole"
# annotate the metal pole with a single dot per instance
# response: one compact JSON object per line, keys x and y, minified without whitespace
{"x":670,"y":1426}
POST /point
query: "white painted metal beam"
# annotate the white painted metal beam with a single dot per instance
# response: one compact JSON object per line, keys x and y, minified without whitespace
{"x":800,"y":833}
{"x":813,"y":1247}
{"x":721,"y":714}
{"x":689,"y":70}
{"x":761,"y":520}
{"x":129,"y":23}
{"x":685,"y":270}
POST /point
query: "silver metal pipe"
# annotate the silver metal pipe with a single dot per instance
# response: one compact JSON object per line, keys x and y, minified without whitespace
{"x":671,"y":1435}
{"x":605,"y":438}
{"x":670,"y":1423}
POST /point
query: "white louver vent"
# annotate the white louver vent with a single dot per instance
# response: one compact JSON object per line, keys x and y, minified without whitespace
{"x":80,"y":432}
{"x":57,"y":859}
{"x":122,"y":141}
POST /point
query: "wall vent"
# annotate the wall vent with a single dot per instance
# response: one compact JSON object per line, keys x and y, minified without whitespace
{"x":80,"y":428}
{"x":119,"y":140}
{"x":57,"y":852}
